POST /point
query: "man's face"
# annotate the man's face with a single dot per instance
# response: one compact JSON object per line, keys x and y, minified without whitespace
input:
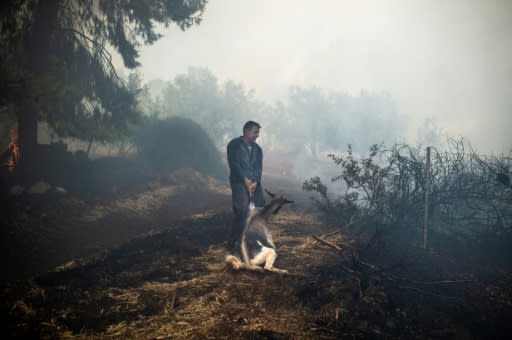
{"x":252,"y":133}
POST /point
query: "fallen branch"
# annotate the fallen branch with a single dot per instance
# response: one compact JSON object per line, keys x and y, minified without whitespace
{"x":327,"y":243}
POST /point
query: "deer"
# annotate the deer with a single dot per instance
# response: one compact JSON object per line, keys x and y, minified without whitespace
{"x":256,"y":244}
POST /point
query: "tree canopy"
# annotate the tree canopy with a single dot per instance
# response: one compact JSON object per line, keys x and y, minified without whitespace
{"x":308,"y":120}
{"x":220,"y":108}
{"x":57,"y":65}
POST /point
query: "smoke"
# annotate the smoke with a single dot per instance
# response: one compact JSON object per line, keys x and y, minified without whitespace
{"x":447,"y":61}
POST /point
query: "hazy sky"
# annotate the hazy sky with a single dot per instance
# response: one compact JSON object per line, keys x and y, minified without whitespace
{"x":450,"y":60}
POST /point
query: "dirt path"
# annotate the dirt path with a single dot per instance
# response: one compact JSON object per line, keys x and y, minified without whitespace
{"x":45,"y":232}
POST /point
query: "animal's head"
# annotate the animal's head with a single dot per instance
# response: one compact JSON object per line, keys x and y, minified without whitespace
{"x":277,"y":202}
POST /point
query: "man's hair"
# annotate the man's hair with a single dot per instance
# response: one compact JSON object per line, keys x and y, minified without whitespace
{"x":249,"y":125}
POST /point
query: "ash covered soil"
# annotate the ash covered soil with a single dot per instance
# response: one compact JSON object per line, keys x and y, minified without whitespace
{"x":148,"y":263}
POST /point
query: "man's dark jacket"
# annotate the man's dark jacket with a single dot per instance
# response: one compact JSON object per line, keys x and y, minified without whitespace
{"x":244,"y":163}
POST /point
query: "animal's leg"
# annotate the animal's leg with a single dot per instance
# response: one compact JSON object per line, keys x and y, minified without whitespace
{"x":251,"y":267}
{"x":262,"y":256}
{"x":236,"y":263}
{"x":269,"y":263}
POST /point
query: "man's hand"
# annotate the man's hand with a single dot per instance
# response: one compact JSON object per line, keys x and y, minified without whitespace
{"x":250,"y":185}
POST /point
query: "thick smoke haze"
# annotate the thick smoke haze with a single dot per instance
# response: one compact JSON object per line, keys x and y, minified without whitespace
{"x":446,"y":62}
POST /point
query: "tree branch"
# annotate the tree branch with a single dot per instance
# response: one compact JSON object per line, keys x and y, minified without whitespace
{"x":327,"y":243}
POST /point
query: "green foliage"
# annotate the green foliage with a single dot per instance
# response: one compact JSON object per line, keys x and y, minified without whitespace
{"x":123,"y":23}
{"x":309,"y":118}
{"x":222,"y":108}
{"x":342,"y":208}
{"x":364,"y":183}
{"x":175,"y":143}
{"x":57,"y":51}
{"x":315,"y":184}
{"x":364,"y":177}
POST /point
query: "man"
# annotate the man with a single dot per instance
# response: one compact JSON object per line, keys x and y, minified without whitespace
{"x":245,"y":159}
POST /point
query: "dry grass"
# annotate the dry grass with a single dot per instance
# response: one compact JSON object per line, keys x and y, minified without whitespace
{"x":172,"y":283}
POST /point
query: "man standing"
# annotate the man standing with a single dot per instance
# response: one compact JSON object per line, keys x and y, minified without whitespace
{"x":245,"y":159}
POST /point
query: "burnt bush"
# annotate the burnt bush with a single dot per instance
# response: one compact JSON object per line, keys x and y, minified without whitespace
{"x":470,"y":195}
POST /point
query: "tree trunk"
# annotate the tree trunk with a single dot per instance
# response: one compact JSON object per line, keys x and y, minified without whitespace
{"x":89,"y":146}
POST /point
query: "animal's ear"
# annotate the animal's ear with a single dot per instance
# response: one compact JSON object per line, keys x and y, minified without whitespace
{"x":268,"y":192}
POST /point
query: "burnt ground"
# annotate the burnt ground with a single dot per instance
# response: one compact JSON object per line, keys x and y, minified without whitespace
{"x":148,"y":263}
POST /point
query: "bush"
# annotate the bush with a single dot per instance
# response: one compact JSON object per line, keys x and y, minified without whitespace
{"x":469,"y":194}
{"x":175,"y":143}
